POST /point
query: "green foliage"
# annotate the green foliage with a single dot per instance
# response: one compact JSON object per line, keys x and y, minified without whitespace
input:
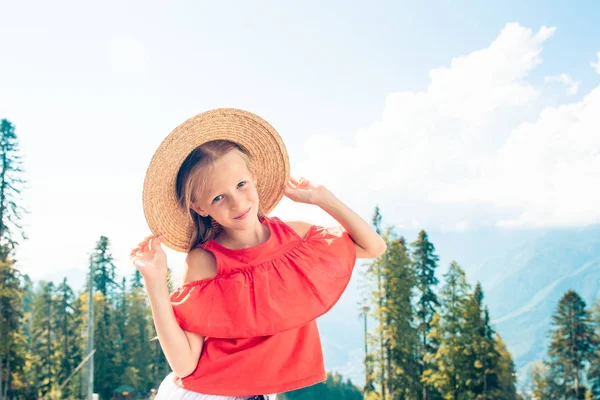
{"x":449,"y":364}
{"x":334,"y":388}
{"x":431,"y":345}
{"x":13,"y":342}
{"x":11,"y":185}
{"x":425,"y":263}
{"x":572,"y":348}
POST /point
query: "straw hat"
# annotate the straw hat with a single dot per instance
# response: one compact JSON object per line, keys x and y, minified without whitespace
{"x":161,"y":209}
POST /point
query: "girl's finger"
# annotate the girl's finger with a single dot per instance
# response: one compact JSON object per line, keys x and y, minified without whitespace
{"x":288,"y":191}
{"x":146,"y":245}
{"x":157,"y":245}
{"x":142,"y":243}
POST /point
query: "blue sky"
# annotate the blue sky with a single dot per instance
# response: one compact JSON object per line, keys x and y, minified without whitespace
{"x":360,"y":93}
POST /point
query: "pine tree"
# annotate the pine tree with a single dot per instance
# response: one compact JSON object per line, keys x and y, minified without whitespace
{"x":377,"y":268}
{"x":106,"y":376}
{"x":104,"y":267}
{"x":571,"y":347}
{"x":446,"y":367}
{"x":482,"y":357}
{"x":425,"y":262}
{"x":120,"y":321}
{"x":507,"y":376}
{"x":538,"y":376}
{"x":334,"y":388}
{"x":44,"y":347}
{"x":67,"y":333}
{"x":12,"y":338}
{"x":29,"y":375}
{"x":136,"y":280}
{"x":375,"y":349}
{"x":593,"y":375}
{"x":11,"y":186}
{"x":137,"y":338}
{"x":79,"y":382}
{"x":401,"y":338}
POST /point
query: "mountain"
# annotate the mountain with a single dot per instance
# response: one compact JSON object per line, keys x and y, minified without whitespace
{"x":531,"y":280}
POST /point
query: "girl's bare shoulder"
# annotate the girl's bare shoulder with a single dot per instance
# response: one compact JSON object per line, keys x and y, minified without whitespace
{"x":200,"y":264}
{"x":300,"y":227}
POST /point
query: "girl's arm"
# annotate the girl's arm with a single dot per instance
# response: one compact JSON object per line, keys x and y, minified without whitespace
{"x":182,"y":349}
{"x":368,"y":243}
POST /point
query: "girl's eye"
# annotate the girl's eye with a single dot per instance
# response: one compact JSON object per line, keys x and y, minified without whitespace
{"x":217,"y":198}
{"x":241,"y":183}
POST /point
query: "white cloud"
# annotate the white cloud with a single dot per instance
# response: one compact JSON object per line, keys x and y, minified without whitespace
{"x":464,"y":153}
{"x":596,"y":64}
{"x":571,"y":85}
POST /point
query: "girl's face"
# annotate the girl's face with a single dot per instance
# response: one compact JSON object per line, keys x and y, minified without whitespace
{"x":230,"y":195}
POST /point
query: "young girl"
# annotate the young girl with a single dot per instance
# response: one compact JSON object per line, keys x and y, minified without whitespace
{"x":242,"y":324}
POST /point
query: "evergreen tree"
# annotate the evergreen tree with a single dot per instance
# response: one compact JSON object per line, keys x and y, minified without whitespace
{"x":29,"y":375}
{"x":401,"y":338}
{"x":120,"y":321}
{"x":375,"y":347}
{"x":104,"y":270}
{"x":334,"y":388}
{"x":377,"y":268}
{"x":79,"y":382}
{"x":12,"y":338}
{"x":425,"y":262}
{"x":481,"y":371}
{"x":106,"y":376}
{"x":11,"y":186}
{"x":446,"y":367}
{"x":67,"y":336}
{"x":538,"y":376}
{"x":43,"y":348}
{"x":136,"y":280}
{"x":507,"y":376}
{"x":593,"y":375}
{"x":137,"y":338}
{"x":571,"y":347}
{"x":105,"y":359}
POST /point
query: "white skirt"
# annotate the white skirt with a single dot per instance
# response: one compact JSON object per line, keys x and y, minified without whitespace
{"x":168,"y":390}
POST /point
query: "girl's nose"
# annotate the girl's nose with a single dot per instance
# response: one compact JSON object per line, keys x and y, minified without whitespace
{"x":235,"y":202}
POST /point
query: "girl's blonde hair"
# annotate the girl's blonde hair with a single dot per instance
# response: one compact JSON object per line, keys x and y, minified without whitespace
{"x":191,"y":182}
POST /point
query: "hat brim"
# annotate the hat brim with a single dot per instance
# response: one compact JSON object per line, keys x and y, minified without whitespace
{"x":270,"y":158}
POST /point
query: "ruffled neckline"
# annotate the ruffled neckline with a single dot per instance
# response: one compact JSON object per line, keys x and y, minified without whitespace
{"x":264,"y":221}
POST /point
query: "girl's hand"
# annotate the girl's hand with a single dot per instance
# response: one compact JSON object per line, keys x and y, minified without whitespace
{"x":150,"y":259}
{"x":303,"y":191}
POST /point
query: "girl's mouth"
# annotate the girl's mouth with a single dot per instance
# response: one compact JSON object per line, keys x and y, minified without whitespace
{"x":244,"y":215}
